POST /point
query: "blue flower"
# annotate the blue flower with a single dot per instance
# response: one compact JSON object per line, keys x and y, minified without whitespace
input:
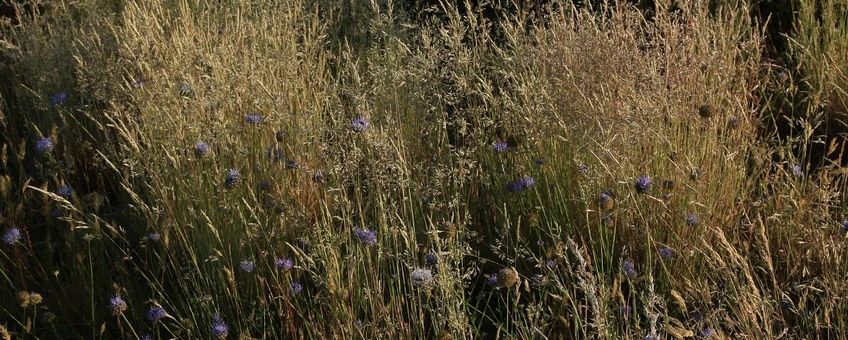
{"x":219,"y":328}
{"x":666,"y":253}
{"x":201,"y":149}
{"x":11,"y":236}
{"x":708,"y":332}
{"x":605,"y":200}
{"x":318,"y":177}
{"x":421,"y":277}
{"x":44,"y":145}
{"x":521,"y":185}
{"x":431,"y":259}
{"x":247,"y":266}
{"x":643,"y":184}
{"x":797,"y":170}
{"x":154,"y":236}
{"x":156,"y":313}
{"x":844,"y":225}
{"x":492,"y":280}
{"x":500,"y":146}
{"x":629,"y":268}
{"x":550,"y":263}
{"x":284,"y":263}
{"x":253,"y":118}
{"x":58,"y":99}
{"x":367,"y":237}
{"x":147,"y":337}
{"x":117,"y":305}
{"x":292,"y":164}
{"x":359,"y":124}
{"x":64,"y":191}
{"x":296,"y":288}
{"x":691,"y":219}
{"x":233,"y":178}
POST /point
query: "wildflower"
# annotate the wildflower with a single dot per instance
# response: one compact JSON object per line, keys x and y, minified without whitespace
{"x":550,"y":263}
{"x":11,"y":236}
{"x":64,"y":191}
{"x":624,"y":310}
{"x":280,"y":135}
{"x":359,"y":124}
{"x":507,"y":277}
{"x":185,"y":90}
{"x":666,"y":253}
{"x":643,"y":184}
{"x":284,"y":263}
{"x":292,"y":164}
{"x":147,"y":337}
{"x":521,"y":184}
{"x":156,"y":313}
{"x":58,"y":99}
{"x":247,"y":266}
{"x":219,"y":328}
{"x":797,"y":170}
{"x":708,"y":332}
{"x":705,"y":111}
{"x":367,"y":237}
{"x":629,"y":268}
{"x":296,"y":288}
{"x":421,"y":277}
{"x":605,"y":200}
{"x":492,"y":281}
{"x":201,"y":149}
{"x":845,"y":225}
{"x":430,"y":259}
{"x":318,"y":177}
{"x":500,"y":146}
{"x":154,"y":237}
{"x":233,"y":178}
{"x":253,"y":118}
{"x":117,"y":305}
{"x":691,"y":219}
{"x":538,"y":279}
{"x":44,"y":145}
{"x":358,"y":323}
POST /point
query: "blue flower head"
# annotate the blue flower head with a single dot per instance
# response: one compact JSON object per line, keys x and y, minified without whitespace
{"x":296,"y":288}
{"x":629,"y":268}
{"x":156,"y":313}
{"x":219,"y":328}
{"x":550,"y":263}
{"x":359,"y":124}
{"x":845,"y":225}
{"x":643,"y":184}
{"x":691,"y":219}
{"x":421,"y":277}
{"x":201,"y":149}
{"x":284,"y":263}
{"x":44,"y":145}
{"x":233,"y":178}
{"x":367,"y":237}
{"x":11,"y":236}
{"x":521,"y":184}
{"x":117,"y":305}
{"x":797,"y":170}
{"x":492,"y":280}
{"x":58,"y":99}
{"x":247,"y":266}
{"x":292,"y":164}
{"x":431,"y":259}
{"x":500,"y":146}
{"x":318,"y":177}
{"x":154,"y":236}
{"x":708,"y":332}
{"x":253,"y":118}
{"x":666,"y":253}
{"x":64,"y":191}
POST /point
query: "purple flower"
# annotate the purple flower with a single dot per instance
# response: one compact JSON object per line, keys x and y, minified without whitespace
{"x":500,"y":146}
{"x":253,"y":118}
{"x":247,"y":266}
{"x":117,"y":305}
{"x":629,"y":268}
{"x":296,"y":288}
{"x":643,"y":184}
{"x":431,"y":259}
{"x":318,"y":177}
{"x":147,"y":337}
{"x":605,"y":200}
{"x":58,"y":99}
{"x":521,"y":185}
{"x":292,"y":164}
{"x":284,"y":263}
{"x":624,"y":310}
{"x":358,"y":323}
{"x":666,"y":253}
{"x":154,"y":236}
{"x":691,"y":219}
{"x":156,"y":313}
{"x":492,"y":281}
{"x":11,"y":236}
{"x":797,"y":170}
{"x":233,"y":178}
{"x":359,"y":124}
{"x":201,"y":149}
{"x":421,"y":277}
{"x":44,"y":145}
{"x":845,"y":225}
{"x":550,"y":263}
{"x":219,"y":328}
{"x":367,"y":237}
{"x":64,"y":191}
{"x":708,"y":332}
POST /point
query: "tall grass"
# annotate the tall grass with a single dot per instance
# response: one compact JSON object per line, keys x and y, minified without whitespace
{"x":571,"y":173}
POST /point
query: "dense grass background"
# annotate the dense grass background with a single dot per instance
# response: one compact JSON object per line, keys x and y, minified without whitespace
{"x":355,"y":169}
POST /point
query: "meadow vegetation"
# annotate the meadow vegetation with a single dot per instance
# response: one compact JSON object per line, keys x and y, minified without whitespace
{"x":359,"y":169}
